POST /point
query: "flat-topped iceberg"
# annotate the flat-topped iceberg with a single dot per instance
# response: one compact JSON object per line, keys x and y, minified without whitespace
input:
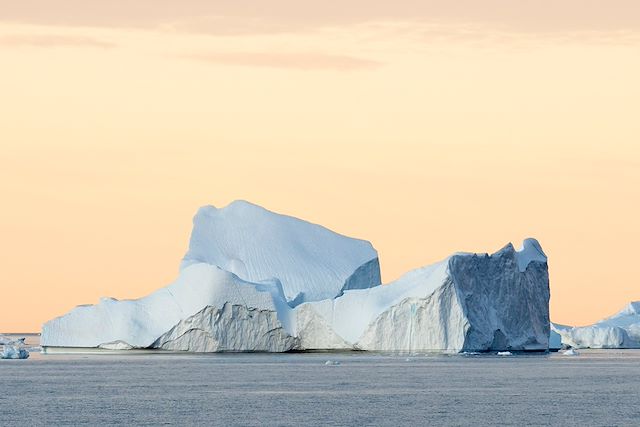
{"x":622,"y":330}
{"x":254,"y":280}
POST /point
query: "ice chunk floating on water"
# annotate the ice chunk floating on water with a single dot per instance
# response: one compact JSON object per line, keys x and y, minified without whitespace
{"x":254,"y":280}
{"x":13,"y":349}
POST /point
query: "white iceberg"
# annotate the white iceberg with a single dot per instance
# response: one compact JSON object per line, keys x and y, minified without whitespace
{"x":254,"y":280}
{"x":622,"y":330}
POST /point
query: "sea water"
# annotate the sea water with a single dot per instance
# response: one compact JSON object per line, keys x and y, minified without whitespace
{"x":597,"y":387}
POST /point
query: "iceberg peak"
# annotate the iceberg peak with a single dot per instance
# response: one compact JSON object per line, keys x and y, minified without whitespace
{"x":311,"y":261}
{"x":529,"y":251}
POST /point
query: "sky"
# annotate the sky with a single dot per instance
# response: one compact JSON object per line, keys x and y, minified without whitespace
{"x":427,"y":127}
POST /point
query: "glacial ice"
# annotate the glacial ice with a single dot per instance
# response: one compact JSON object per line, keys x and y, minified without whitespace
{"x":254,"y":280}
{"x":13,"y":349}
{"x":622,"y":330}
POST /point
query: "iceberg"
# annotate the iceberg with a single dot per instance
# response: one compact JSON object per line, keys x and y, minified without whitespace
{"x":622,"y":330}
{"x":254,"y":280}
{"x":13,"y":349}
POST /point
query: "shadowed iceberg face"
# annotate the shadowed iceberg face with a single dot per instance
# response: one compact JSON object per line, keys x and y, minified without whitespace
{"x":505,"y":297}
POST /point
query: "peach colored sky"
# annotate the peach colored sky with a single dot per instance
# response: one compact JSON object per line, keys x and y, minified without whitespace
{"x":420,"y":126}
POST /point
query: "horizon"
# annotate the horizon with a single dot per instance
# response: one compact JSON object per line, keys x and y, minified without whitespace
{"x":422,"y":127}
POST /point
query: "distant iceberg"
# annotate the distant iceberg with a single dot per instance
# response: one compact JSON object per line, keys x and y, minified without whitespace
{"x":13,"y":349}
{"x":622,"y":330}
{"x":254,"y":280}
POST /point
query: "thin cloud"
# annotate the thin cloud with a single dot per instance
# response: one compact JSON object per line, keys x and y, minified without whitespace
{"x":49,"y":40}
{"x":258,"y":16}
{"x":301,"y":61}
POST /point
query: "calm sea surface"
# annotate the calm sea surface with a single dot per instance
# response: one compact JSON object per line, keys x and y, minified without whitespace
{"x":598,"y":387}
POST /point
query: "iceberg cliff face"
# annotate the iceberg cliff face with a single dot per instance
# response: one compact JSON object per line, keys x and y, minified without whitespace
{"x":233,"y":327}
{"x":622,"y":330}
{"x":253,"y":280}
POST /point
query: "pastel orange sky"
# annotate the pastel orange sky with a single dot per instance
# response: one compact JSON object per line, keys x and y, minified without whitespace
{"x":426,"y":127}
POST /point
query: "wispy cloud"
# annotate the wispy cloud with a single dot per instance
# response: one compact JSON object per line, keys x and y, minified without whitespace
{"x":51,"y":40}
{"x":258,"y":16}
{"x":301,"y":61}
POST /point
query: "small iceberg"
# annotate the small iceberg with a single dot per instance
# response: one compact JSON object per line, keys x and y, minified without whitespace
{"x":332,"y":363}
{"x":14,"y":349}
{"x":571,"y":352}
{"x":504,"y":353}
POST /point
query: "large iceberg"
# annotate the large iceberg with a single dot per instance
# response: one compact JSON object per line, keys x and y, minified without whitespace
{"x":254,"y":280}
{"x":622,"y":330}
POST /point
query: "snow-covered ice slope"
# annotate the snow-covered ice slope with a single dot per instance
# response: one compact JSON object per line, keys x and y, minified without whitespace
{"x":467,"y":302}
{"x":622,"y":330}
{"x":146,"y":322}
{"x":311,"y":261}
